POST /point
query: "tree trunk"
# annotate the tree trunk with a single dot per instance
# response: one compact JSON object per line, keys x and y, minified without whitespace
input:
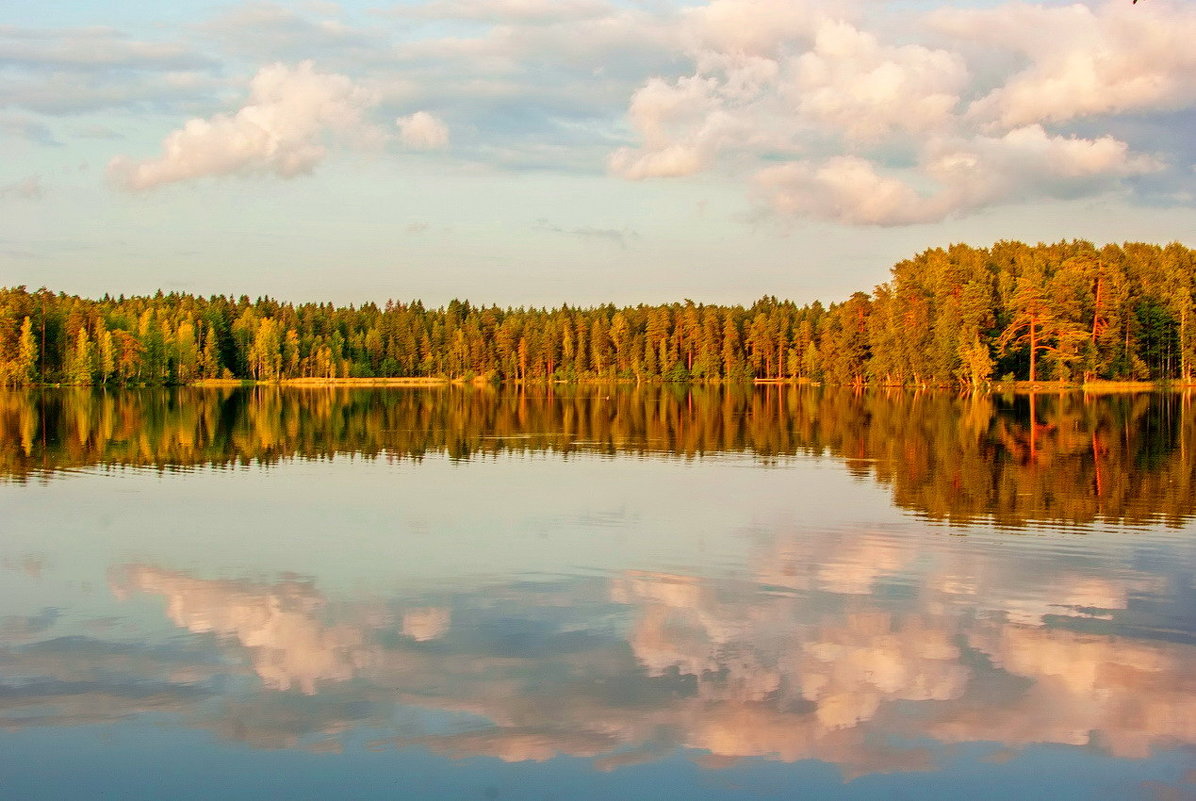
{"x":1033,"y":347}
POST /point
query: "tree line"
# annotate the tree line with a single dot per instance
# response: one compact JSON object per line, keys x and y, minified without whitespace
{"x":960,"y":316}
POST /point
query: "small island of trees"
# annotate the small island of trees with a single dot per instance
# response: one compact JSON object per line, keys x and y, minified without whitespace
{"x":961,"y":316}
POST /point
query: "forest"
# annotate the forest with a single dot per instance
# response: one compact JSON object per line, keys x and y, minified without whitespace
{"x":961,"y":316}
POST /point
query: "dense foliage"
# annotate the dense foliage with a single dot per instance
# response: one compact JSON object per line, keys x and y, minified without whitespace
{"x":960,"y":316}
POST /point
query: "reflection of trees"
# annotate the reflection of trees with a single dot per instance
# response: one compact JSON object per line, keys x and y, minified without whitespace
{"x":1065,"y":457}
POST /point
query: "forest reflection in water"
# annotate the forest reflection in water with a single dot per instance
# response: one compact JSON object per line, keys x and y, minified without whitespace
{"x":1015,"y":460}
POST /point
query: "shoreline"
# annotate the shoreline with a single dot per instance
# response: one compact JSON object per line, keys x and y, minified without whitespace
{"x":428,"y":382}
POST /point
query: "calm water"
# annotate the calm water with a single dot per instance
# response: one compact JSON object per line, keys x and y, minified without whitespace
{"x":596,"y":593}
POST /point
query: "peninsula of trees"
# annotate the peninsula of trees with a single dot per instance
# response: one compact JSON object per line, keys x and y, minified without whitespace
{"x":962,"y":316}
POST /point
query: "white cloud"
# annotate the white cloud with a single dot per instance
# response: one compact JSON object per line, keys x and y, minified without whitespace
{"x":835,"y":83}
{"x":952,"y":178}
{"x":840,"y":122}
{"x":845,"y":189}
{"x":282,"y":130}
{"x":671,"y":161}
{"x":849,"y":81}
{"x":1028,"y":162}
{"x":840,"y":99}
{"x":1082,"y":60}
{"x":422,"y":131}
{"x":677,"y":125}
{"x":765,"y":28}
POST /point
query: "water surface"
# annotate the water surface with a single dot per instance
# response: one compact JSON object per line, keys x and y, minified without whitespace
{"x":596,"y":593}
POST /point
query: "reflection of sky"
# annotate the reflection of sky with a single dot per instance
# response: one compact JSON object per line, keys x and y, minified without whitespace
{"x":352,"y":521}
{"x":518,"y":624}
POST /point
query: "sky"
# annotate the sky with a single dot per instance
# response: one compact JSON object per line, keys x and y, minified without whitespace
{"x":538,"y":152}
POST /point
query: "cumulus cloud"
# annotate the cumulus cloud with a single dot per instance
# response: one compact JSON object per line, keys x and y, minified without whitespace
{"x":764,"y":28}
{"x":844,"y":188}
{"x":836,"y":82}
{"x":282,"y":130}
{"x":849,"y":81}
{"x":1082,"y":60}
{"x":961,"y":175}
{"x":1027,"y":161}
{"x":836,"y":120}
{"x":535,"y":83}
{"x":678,"y":126}
{"x":686,"y":124}
{"x":423,"y":131}
{"x":954,"y":177}
{"x":824,"y":110}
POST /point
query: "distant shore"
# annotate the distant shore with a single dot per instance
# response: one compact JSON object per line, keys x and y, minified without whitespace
{"x":1018,"y":387}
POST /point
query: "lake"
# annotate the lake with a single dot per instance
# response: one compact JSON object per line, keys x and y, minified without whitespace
{"x":596,"y":592}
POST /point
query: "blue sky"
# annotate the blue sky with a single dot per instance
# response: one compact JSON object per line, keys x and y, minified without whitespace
{"x":582,"y":151}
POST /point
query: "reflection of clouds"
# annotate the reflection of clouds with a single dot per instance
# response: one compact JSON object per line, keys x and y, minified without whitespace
{"x":846,"y":563}
{"x":521,"y":745}
{"x":849,"y":654}
{"x":17,"y":627}
{"x":858,"y":565}
{"x":1130,"y":696}
{"x":849,"y":668}
{"x":680,"y":627}
{"x":1033,"y":591}
{"x":74,"y":681}
{"x":1092,"y":592}
{"x":277,"y":622}
{"x":734,"y":731}
{"x":1073,"y":595}
{"x":30,"y":565}
{"x":837,"y":649}
{"x":733,"y":673}
{"x":426,"y":623}
{"x":846,"y":666}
